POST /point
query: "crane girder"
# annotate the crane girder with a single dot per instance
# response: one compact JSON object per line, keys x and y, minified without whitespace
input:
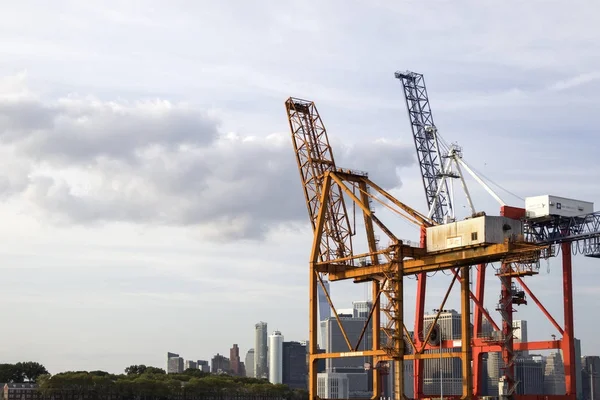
{"x":314,"y":157}
{"x":556,"y":229}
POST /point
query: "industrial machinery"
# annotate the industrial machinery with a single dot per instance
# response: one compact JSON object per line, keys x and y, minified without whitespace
{"x":570,"y":225}
{"x":334,"y":253}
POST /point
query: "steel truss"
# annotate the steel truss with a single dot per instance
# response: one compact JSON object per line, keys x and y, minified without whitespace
{"x":387,"y":266}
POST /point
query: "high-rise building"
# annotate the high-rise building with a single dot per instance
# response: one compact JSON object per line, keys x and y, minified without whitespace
{"x":324,"y":309}
{"x":249,"y":362}
{"x":446,"y":372}
{"x":275,"y":357}
{"x":234,"y":359}
{"x":331,"y":385}
{"x":554,"y":375}
{"x":529,"y":372}
{"x":334,"y":341}
{"x":260,"y":350}
{"x":361,"y":309}
{"x":203,"y":365}
{"x":174,"y":363}
{"x":590,"y":382}
{"x":294,"y":365}
{"x":189,"y":364}
{"x":220,"y":364}
{"x":520,"y":334}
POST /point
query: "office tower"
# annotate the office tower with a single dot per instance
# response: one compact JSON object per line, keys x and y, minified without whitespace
{"x":520,"y":334}
{"x":324,"y":310}
{"x":554,"y":375}
{"x":189,"y":364}
{"x":275,"y":357}
{"x":332,"y":385}
{"x":249,"y":362}
{"x":529,"y":372}
{"x":203,"y":366}
{"x":260,"y":350}
{"x":590,"y":382}
{"x":220,"y":364}
{"x":234,"y":359}
{"x":294,"y":365}
{"x":361,"y":309}
{"x":174,"y":363}
{"x":450,"y":373}
{"x":334,"y":341}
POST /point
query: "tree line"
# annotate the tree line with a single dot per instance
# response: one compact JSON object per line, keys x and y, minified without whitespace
{"x":21,"y":372}
{"x":140,"y":382}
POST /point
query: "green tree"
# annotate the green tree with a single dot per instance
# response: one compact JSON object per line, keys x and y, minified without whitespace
{"x":135,"y":369}
{"x":30,"y":370}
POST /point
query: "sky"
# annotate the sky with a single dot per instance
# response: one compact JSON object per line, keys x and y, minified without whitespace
{"x":148,"y":188}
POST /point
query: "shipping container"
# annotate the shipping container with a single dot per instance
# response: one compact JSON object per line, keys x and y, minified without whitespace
{"x":547,"y":205}
{"x":472,"y":232}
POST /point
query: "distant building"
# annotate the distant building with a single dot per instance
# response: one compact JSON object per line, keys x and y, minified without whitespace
{"x":234,"y":359}
{"x":529,"y":373}
{"x":361,"y":309}
{"x":449,"y":370}
{"x":294,"y":365}
{"x":554,"y":375}
{"x":249,"y":362}
{"x":260,"y":350}
{"x":275,"y":357}
{"x":220,"y":364}
{"x":520,"y":334}
{"x":174,"y":363}
{"x":590,"y":382}
{"x":332,"y":385}
{"x":203,"y":366}
{"x":242,"y":369}
{"x":21,"y":391}
{"x":189,"y":364}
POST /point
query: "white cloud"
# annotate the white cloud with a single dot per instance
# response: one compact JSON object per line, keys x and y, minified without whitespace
{"x":160,"y":162}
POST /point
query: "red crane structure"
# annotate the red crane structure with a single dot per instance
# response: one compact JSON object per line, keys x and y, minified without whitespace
{"x":564,"y":231}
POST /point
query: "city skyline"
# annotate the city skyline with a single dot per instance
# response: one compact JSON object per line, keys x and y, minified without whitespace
{"x":149,"y":190}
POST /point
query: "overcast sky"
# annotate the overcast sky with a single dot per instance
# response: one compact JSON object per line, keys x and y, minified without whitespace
{"x":150,"y":196}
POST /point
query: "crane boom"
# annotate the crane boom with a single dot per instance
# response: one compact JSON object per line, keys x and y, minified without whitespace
{"x":314,"y":157}
{"x":426,"y":143}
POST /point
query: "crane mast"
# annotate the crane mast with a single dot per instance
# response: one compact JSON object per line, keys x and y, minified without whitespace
{"x":426,"y":143}
{"x":314,"y":157}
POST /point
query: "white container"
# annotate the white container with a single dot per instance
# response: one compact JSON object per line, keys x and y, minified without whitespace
{"x":547,"y":205}
{"x":472,"y":232}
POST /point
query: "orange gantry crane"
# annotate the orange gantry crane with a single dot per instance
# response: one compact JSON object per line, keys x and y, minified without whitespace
{"x":327,"y":188}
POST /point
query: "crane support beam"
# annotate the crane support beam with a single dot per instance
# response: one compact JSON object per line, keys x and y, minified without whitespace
{"x":556,"y":230}
{"x":433,"y":262}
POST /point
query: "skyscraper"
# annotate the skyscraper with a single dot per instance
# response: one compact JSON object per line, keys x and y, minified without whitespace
{"x":324,"y":310}
{"x":260,"y":350}
{"x":234,"y":359}
{"x":249,"y":362}
{"x":294,"y":365}
{"x":189,"y":364}
{"x":520,"y":333}
{"x":276,"y":357}
{"x":174,"y":363}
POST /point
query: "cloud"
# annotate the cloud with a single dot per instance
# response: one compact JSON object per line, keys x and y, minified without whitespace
{"x":157,"y":162}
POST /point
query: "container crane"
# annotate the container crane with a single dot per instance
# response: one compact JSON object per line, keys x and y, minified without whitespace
{"x":325,"y":187}
{"x":574,"y":231}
